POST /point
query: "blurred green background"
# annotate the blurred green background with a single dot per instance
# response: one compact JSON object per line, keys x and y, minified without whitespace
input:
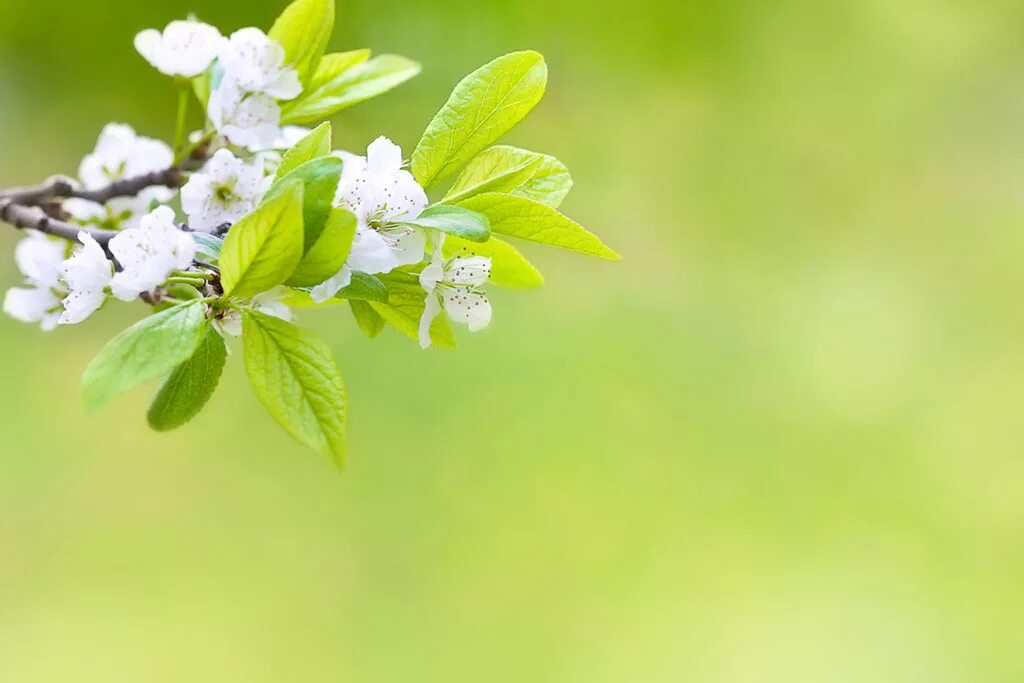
{"x":780,"y":441}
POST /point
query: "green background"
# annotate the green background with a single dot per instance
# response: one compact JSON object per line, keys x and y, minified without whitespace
{"x":780,"y":441}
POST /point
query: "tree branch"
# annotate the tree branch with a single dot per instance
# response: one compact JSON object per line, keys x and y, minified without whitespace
{"x":129,"y":187}
{"x":62,"y":188}
{"x":33,"y":218}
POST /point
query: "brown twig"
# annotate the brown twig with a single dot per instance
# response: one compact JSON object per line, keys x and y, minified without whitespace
{"x":33,"y":218}
{"x":62,"y":188}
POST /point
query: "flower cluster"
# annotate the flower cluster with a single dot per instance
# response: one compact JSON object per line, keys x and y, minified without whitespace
{"x":227,"y":231}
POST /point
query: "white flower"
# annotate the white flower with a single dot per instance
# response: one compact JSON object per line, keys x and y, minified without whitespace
{"x":226,"y":189}
{"x":268,"y":302}
{"x":149,"y":253}
{"x":119,"y":154}
{"x":381,"y":194}
{"x":87,"y":274}
{"x":247,"y":119}
{"x":331,"y":286}
{"x":256,"y":64}
{"x":38,"y":258}
{"x":185,"y":48}
{"x":452,"y":286}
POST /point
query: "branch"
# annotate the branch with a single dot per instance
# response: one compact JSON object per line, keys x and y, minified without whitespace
{"x":32,"y":217}
{"x":36,"y":194}
{"x":129,"y":187}
{"x":61,"y":187}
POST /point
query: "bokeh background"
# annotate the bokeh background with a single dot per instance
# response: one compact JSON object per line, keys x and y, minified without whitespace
{"x":780,"y":441}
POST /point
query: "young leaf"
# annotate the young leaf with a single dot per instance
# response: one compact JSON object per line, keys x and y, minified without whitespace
{"x":207,"y":246}
{"x":335,"y":64}
{"x":364,"y":287}
{"x":521,"y":172}
{"x":454,"y":220}
{"x":303,"y":30}
{"x":190,"y":386}
{"x":319,"y":179}
{"x":295,"y":377}
{"x":262,"y":250}
{"x":482,"y":108}
{"x":330,"y":251}
{"x":148,"y":349}
{"x":529,"y":220}
{"x":404,"y":308}
{"x":369,"y":320}
{"x":315,"y":145}
{"x":509,"y":268}
{"x":349,"y":88}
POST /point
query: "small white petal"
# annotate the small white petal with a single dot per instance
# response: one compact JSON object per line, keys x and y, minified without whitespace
{"x":430,"y":276}
{"x":32,"y":305}
{"x":383,"y":157}
{"x":147,"y":44}
{"x":471,"y":270}
{"x":431,"y":309}
{"x":466,"y":306}
{"x":331,"y":286}
{"x":39,"y":258}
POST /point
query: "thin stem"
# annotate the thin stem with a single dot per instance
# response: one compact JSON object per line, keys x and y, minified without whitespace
{"x":193,"y":274}
{"x":178,"y":280}
{"x":184,"y":97}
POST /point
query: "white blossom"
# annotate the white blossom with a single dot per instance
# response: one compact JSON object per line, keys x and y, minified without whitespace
{"x":185,"y":48}
{"x":87,"y":274}
{"x":119,"y":154}
{"x":381,"y":194}
{"x":149,"y":253}
{"x":225,"y":190}
{"x":38,"y":258}
{"x":246,"y":119}
{"x":269,"y":303}
{"x":452,"y":285}
{"x":256,"y":64}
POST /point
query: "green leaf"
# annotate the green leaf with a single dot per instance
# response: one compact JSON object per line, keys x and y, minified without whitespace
{"x":295,"y":377}
{"x":148,"y":349}
{"x":454,"y":220}
{"x":404,"y":308}
{"x":349,"y":88}
{"x":190,"y":386}
{"x":262,"y":250}
{"x":529,"y":220}
{"x":335,"y":64}
{"x":501,"y":168}
{"x":319,"y":179}
{"x":484,"y":106}
{"x":364,"y":287}
{"x":315,"y":145}
{"x":369,"y":320}
{"x":330,"y":251}
{"x":509,"y":268}
{"x":303,"y":30}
